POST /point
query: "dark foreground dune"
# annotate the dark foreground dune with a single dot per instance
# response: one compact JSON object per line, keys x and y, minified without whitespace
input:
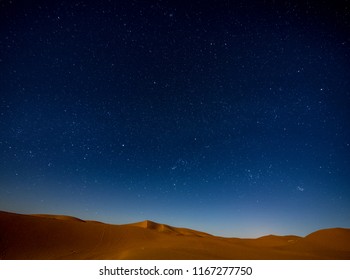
{"x":63,"y":237}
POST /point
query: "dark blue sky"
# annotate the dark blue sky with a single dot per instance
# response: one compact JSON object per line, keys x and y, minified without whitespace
{"x":230,"y":117}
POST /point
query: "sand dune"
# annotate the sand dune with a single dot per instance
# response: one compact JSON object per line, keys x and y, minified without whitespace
{"x":65,"y":237}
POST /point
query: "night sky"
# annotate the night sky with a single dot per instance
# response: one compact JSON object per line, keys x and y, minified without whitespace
{"x":230,"y":117}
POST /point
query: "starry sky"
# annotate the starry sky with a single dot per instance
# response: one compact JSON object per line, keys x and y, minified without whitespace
{"x":230,"y":117}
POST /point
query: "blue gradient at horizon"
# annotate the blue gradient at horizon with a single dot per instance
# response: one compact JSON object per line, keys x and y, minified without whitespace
{"x":230,"y":118}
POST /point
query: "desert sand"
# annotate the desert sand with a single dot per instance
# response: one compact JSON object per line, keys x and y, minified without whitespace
{"x":53,"y":237}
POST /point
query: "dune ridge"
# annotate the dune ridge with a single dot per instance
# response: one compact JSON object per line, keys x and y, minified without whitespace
{"x":59,"y":217}
{"x":147,"y":224}
{"x":42,"y":236}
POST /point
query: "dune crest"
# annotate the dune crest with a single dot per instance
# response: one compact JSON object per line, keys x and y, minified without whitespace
{"x":59,"y":217}
{"x":66,"y":237}
{"x":151,"y":225}
{"x":147,"y":224}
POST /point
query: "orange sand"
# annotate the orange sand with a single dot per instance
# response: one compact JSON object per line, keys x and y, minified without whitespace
{"x":64,"y":237}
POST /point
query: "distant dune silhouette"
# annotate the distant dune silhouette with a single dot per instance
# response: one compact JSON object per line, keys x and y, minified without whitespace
{"x":64,"y":237}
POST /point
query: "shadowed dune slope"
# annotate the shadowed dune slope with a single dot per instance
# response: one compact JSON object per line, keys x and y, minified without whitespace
{"x":64,"y":237}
